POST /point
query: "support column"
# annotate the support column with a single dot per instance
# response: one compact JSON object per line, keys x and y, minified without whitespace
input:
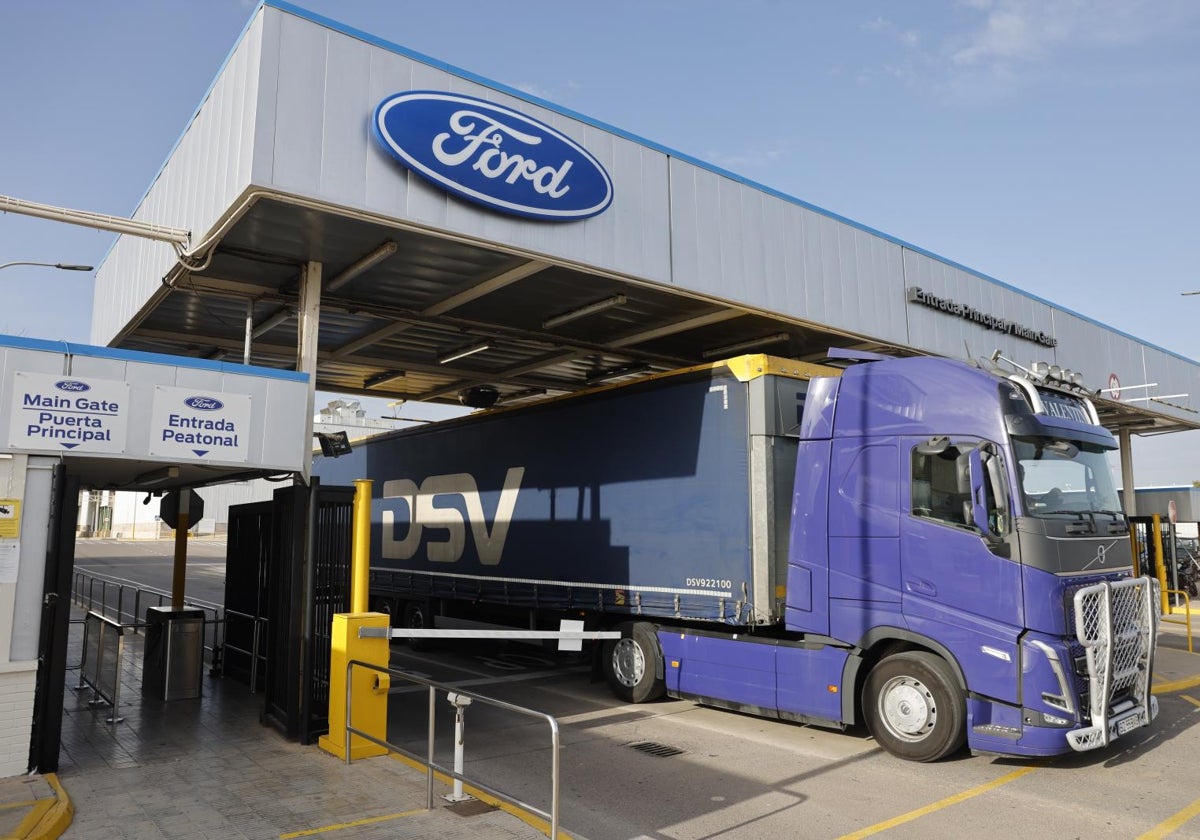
{"x":179,"y":573}
{"x":1127,"y":472}
{"x":308,"y":327}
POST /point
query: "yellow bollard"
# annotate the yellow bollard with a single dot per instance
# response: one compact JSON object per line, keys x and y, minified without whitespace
{"x":360,"y":555}
{"x":370,"y":692}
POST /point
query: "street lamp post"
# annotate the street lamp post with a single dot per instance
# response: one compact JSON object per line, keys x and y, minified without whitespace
{"x":63,"y":266}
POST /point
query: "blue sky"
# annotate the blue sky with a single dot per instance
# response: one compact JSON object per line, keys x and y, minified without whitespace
{"x":1051,"y":144}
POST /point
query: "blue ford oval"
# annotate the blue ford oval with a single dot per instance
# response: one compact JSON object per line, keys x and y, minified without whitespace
{"x":492,"y":155}
{"x":203,"y":403}
{"x":72,"y":385}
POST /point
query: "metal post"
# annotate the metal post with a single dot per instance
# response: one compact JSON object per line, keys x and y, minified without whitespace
{"x":460,"y":703}
{"x":179,"y":574}
{"x":309,"y":319}
{"x":249,"y":330}
{"x":253,"y":656}
{"x":1127,"y":473}
{"x":360,"y":558}
{"x":554,"y":777}
{"x":429,"y":749}
{"x":1162,"y":562}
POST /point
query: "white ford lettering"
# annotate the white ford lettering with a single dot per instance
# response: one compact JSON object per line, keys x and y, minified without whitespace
{"x":424,"y":512}
{"x":492,"y":162}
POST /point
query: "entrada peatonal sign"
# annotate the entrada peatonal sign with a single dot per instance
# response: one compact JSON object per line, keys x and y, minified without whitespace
{"x":492,"y":155}
{"x":969,"y":313}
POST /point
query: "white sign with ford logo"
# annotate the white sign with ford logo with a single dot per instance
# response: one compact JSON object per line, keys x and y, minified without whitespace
{"x":68,"y":413}
{"x":195,"y":425}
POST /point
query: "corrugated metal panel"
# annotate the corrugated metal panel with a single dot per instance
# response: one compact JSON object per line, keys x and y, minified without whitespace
{"x":207,"y":170}
{"x":947,"y":334}
{"x":744,"y":245}
{"x":328,"y":86}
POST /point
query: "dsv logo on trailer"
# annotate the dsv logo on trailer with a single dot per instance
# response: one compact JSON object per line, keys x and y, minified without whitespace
{"x":492,"y":155}
{"x":424,"y":512}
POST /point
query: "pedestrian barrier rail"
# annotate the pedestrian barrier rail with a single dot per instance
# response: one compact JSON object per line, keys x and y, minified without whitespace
{"x":460,"y":699}
{"x":254,"y":654}
{"x":125,"y":602}
{"x":1182,"y":599}
{"x":100,"y":668}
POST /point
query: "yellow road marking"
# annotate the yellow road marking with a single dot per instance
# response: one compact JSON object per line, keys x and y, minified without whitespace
{"x":942,"y":803}
{"x":1191,"y":700}
{"x":1172,"y":823}
{"x":339,"y":826}
{"x":1178,"y":685}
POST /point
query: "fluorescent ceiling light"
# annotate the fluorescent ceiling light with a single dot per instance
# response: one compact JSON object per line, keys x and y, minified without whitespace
{"x":589,"y":309}
{"x":463,"y":353}
{"x":734,"y":349}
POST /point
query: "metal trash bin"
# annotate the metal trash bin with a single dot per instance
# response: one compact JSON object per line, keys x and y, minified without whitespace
{"x":173,"y":664}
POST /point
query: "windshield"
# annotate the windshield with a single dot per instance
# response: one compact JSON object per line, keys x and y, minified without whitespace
{"x":1061,"y":478}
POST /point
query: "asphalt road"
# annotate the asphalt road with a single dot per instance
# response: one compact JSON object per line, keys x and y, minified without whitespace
{"x":716,"y":774}
{"x":676,"y":771}
{"x":151,"y":564}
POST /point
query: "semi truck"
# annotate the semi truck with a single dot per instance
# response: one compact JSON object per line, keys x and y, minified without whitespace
{"x":932,"y":548}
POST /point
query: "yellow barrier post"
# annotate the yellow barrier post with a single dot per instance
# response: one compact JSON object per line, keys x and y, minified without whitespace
{"x":360,"y":556}
{"x":370,"y":692}
{"x":370,"y":688}
{"x":1161,"y":565}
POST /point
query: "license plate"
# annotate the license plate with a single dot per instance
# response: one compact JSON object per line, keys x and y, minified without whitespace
{"x":1129,"y":723}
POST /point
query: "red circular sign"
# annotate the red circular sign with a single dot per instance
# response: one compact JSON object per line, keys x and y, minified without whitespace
{"x":1114,"y":386}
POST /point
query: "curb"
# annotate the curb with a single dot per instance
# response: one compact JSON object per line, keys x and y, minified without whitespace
{"x":48,"y":818}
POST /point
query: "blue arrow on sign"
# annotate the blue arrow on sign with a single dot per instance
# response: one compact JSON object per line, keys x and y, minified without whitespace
{"x":201,"y":452}
{"x":70,"y":445}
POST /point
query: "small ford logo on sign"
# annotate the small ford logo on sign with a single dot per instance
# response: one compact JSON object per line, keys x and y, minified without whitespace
{"x":492,"y":155}
{"x":72,"y":385}
{"x":203,"y":403}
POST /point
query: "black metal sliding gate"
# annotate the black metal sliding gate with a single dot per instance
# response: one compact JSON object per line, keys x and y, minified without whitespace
{"x":287,"y":573}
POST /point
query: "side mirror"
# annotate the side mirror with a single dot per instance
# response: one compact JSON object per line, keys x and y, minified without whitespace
{"x":979,"y":511}
{"x":985,"y":476}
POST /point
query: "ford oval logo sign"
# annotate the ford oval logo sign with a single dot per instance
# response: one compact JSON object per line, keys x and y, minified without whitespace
{"x":492,"y":155}
{"x":203,"y":403}
{"x":72,"y":385}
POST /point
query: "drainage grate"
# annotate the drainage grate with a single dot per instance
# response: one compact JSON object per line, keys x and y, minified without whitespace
{"x":661,"y":750}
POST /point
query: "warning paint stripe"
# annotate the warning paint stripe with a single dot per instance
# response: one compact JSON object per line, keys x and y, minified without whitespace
{"x":942,"y":803}
{"x":1172,"y":823}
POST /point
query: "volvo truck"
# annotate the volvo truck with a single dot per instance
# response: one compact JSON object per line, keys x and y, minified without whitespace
{"x":929,"y":547}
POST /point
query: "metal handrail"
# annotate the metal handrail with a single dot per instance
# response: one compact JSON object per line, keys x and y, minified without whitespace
{"x":431,"y":765}
{"x":95,"y":679}
{"x":254,"y":655}
{"x":84,"y":591}
{"x":1187,"y":610}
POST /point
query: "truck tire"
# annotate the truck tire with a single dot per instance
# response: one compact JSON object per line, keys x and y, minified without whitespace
{"x":914,"y":706}
{"x":633,"y":663}
{"x":418,"y":615}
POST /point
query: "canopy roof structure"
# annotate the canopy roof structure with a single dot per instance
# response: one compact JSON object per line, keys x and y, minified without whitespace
{"x":313,"y":248}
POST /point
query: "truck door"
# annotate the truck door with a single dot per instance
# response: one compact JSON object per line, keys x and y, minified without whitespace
{"x":961,"y":587}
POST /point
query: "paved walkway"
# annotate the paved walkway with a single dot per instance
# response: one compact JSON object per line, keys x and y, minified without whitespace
{"x":206,"y":769}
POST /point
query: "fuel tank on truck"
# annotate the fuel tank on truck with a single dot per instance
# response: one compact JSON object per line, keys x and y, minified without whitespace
{"x":668,"y":497}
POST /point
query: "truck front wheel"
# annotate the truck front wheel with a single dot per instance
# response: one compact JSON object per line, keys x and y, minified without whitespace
{"x":914,"y":707}
{"x":633,"y":663}
{"x":418,"y":615}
